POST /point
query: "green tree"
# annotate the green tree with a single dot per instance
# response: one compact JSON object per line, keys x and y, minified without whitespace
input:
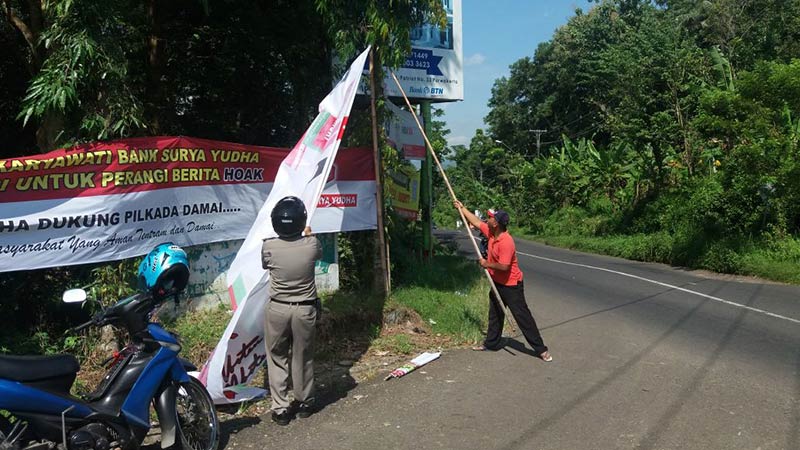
{"x":352,"y":24}
{"x":743,"y":31}
{"x":77,"y":57}
{"x":248,"y":71}
{"x":244,"y":71}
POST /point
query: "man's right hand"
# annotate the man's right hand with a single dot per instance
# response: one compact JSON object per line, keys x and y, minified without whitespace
{"x":471,"y":219}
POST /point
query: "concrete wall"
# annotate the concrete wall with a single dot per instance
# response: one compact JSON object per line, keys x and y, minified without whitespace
{"x":209,"y":262}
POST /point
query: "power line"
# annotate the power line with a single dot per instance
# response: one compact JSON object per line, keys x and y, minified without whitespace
{"x":575,"y":135}
{"x":580,"y":117}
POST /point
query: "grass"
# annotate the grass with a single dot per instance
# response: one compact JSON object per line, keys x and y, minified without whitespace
{"x":442,"y":303}
{"x":401,"y":344}
{"x":776,"y":259}
{"x":350,"y":322}
{"x":779,"y":261}
{"x":443,"y":300}
{"x":200,"y":331}
{"x":459,"y":314}
{"x":449,"y":294}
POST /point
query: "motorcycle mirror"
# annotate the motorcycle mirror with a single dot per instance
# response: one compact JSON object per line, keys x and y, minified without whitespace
{"x":74,"y":296}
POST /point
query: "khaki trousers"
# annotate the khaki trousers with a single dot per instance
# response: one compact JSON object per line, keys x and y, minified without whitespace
{"x":290,"y":329}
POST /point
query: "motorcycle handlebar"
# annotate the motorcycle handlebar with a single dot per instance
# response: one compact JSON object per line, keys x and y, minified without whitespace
{"x":83,"y":326}
{"x":117,"y":313}
{"x":98,"y":319}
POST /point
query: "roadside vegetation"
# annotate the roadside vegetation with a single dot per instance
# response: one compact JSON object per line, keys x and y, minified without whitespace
{"x":777,"y":260}
{"x":672,"y":132}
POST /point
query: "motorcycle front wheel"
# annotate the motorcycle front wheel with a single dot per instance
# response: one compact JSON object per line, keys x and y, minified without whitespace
{"x":5,"y":432}
{"x":198,"y":425}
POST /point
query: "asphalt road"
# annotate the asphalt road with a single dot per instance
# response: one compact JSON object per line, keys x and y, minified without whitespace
{"x":646,"y":357}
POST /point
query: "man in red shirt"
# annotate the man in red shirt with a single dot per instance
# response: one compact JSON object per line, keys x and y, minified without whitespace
{"x":501,"y":262}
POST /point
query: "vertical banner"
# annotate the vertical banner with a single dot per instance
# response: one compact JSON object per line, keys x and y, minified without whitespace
{"x":303,"y":174}
{"x":403,"y":185}
{"x":403,"y":133}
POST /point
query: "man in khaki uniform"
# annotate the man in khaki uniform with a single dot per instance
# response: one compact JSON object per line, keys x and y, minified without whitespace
{"x":293,"y":309}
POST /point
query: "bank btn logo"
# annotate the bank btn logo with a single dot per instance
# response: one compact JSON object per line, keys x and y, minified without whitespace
{"x":426,"y":90}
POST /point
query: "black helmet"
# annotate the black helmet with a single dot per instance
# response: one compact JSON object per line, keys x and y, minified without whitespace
{"x":289,"y":217}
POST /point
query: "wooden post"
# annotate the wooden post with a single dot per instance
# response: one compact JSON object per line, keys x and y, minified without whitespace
{"x":426,"y":190}
{"x":384,"y":265}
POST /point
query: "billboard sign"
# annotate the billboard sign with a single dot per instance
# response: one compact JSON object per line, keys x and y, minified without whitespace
{"x":434,"y":70}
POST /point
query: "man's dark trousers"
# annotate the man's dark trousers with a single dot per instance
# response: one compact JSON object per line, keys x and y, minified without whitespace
{"x":514,"y":298}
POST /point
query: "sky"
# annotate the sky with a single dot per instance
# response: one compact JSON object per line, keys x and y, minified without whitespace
{"x":495,"y":34}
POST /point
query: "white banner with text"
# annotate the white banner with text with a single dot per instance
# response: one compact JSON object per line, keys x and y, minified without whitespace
{"x":115,"y":200}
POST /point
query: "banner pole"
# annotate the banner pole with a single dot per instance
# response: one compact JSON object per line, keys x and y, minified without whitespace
{"x":426,"y":190}
{"x":384,"y":251}
{"x":453,"y":194}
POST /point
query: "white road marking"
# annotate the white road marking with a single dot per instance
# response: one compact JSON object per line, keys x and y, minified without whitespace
{"x":677,"y":288}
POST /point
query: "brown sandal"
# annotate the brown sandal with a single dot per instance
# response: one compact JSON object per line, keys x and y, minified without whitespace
{"x":479,"y":348}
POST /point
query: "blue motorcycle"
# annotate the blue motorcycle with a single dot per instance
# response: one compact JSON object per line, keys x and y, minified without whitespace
{"x":40,"y":414}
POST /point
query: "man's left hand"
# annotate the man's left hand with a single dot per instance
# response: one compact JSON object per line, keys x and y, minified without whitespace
{"x":483,"y":263}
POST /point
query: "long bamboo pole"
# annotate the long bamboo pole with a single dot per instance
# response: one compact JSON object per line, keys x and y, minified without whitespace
{"x":509,"y":317}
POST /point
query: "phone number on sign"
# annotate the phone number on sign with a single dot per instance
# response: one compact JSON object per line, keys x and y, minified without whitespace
{"x":411,"y":64}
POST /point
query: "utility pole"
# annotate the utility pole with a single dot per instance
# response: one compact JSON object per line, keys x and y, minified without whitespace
{"x":538,"y":135}
{"x":426,"y":190}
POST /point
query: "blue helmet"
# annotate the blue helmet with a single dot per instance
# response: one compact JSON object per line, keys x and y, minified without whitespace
{"x":164,"y":271}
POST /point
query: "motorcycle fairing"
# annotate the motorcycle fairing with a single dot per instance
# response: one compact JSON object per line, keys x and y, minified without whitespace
{"x":19,"y":397}
{"x":137,"y":403}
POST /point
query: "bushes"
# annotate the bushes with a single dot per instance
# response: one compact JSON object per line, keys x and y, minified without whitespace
{"x":774,"y":257}
{"x":33,"y":315}
{"x":356,"y":259}
{"x":720,"y":258}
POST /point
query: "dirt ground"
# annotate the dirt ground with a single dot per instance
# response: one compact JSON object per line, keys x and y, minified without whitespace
{"x":354,"y":360}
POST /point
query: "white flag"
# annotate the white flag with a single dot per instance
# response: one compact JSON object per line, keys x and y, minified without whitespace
{"x":303,"y":173}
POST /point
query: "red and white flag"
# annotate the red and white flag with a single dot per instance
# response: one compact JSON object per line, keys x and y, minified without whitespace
{"x":303,"y":173}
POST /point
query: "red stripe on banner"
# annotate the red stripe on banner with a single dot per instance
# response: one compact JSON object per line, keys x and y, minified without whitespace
{"x":341,"y":129}
{"x":151,"y":163}
{"x":338,"y":201}
{"x":414,"y":151}
{"x":320,"y":142}
{"x":353,"y":164}
{"x":233,"y":298}
{"x":406,"y":213}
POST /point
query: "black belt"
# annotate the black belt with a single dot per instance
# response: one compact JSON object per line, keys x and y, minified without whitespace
{"x":304,"y":302}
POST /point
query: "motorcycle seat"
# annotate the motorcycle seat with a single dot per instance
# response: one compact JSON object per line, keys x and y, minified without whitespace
{"x":35,"y":368}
